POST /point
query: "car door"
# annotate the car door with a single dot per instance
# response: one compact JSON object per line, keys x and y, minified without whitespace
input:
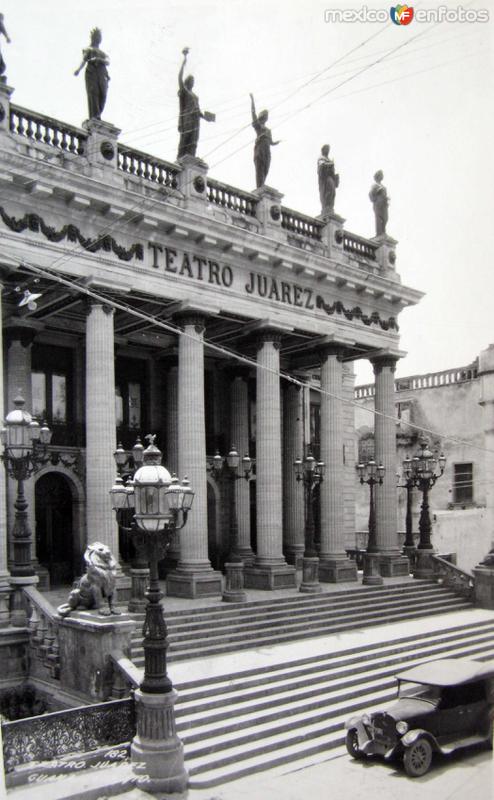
{"x":461,"y":711}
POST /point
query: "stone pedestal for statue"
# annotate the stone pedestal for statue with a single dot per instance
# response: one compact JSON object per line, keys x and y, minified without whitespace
{"x":372,"y":573}
{"x":5,"y":94}
{"x":86,"y":642}
{"x":424,"y":567}
{"x":333,"y":233}
{"x":483,"y":575}
{"x":386,"y":254}
{"x":101,"y":146}
{"x":268,"y":211}
{"x":19,"y":609}
{"x":156,"y":751}
{"x":310,"y":576}
{"x":234,"y":583}
{"x":192,"y":181}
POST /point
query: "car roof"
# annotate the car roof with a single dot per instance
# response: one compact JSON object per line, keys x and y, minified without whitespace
{"x":448,"y":671}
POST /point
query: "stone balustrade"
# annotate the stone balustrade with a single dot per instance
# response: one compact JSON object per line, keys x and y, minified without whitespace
{"x":142,"y":165}
{"x":359,"y":246}
{"x":220,"y":194}
{"x":43,"y":633}
{"x":302,"y":225}
{"x":452,"y":576}
{"x":47,"y":130}
{"x":431,"y":380}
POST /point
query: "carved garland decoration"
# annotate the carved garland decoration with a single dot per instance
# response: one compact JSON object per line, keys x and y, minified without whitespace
{"x":356,"y":313}
{"x":36,"y":224}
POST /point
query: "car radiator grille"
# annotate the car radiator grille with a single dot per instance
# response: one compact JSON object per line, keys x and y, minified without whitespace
{"x":384,"y":729}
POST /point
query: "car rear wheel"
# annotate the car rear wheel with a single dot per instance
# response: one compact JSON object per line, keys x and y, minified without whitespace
{"x":417,"y":758}
{"x":351,"y":742}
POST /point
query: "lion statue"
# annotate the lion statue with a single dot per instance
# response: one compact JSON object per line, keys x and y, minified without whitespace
{"x":96,"y":585}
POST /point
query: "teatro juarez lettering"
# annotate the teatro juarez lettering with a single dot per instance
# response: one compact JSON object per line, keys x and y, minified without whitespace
{"x":200,"y":268}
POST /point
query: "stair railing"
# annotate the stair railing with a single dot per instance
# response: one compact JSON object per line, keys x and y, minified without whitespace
{"x":126,"y":676}
{"x":43,"y":631}
{"x":453,"y":577}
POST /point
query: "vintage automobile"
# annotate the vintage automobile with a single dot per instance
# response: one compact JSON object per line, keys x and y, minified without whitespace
{"x":441,"y":706}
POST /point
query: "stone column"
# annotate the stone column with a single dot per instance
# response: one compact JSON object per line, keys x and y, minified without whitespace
{"x":293,"y":490}
{"x":171,"y":442}
{"x":392,"y":563}
{"x":239,"y":435}
{"x":100,"y":426}
{"x":4,"y":572}
{"x":334,"y":565}
{"x":194,"y":576}
{"x":270,"y":570}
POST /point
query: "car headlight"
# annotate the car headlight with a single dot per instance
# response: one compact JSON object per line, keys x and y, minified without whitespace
{"x":401,"y":727}
{"x":365,"y":719}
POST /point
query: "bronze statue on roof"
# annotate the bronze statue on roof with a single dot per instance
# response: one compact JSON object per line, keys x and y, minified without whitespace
{"x":190,"y":113}
{"x":96,"y":62}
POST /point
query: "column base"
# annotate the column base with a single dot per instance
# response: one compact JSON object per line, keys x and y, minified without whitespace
{"x":393,"y":566}
{"x":246,"y":554}
{"x":158,"y":762}
{"x":194,"y":584}
{"x":282,"y":576}
{"x":424,"y":567}
{"x":372,"y":575}
{"x":337,"y":570}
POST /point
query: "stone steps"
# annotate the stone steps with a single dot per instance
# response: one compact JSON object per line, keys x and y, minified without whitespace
{"x":222,"y":629}
{"x":236,"y":724}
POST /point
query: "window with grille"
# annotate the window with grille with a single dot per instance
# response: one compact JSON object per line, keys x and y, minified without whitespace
{"x":463,"y":483}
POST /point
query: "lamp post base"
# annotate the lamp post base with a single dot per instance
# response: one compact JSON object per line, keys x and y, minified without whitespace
{"x":156,"y":751}
{"x":424,"y":567}
{"x":310,"y":576}
{"x":372,"y":575}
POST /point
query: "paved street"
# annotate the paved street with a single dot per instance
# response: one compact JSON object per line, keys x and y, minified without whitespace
{"x":467,"y":775}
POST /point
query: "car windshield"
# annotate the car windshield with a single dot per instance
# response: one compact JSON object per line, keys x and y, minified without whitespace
{"x":419,"y":691}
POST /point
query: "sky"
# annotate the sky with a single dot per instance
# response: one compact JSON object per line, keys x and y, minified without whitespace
{"x":415,"y":101}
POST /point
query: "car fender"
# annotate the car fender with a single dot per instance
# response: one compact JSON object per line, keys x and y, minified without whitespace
{"x":410,"y":737}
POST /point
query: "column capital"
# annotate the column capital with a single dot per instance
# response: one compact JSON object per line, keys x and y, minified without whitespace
{"x":195,"y":319}
{"x":272,"y":335}
{"x":382,"y":361}
{"x":25,"y":334}
{"x":337,"y":349}
{"x":92,"y":303}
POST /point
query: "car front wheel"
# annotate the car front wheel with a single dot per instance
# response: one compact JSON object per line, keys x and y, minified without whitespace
{"x":351,"y":742}
{"x":417,"y":758}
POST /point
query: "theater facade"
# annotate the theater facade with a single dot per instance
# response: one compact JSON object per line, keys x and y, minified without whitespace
{"x":174,"y":304}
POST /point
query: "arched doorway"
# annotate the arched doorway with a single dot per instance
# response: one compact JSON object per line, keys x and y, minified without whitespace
{"x":54,"y":530}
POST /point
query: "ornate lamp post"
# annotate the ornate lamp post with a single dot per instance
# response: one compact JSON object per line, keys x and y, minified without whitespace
{"x":25,"y":444}
{"x":371,"y":474}
{"x":159,"y":503}
{"x":311,"y":472}
{"x":234,"y":587}
{"x":409,"y":543}
{"x":127,"y":463}
{"x":424,"y":475}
